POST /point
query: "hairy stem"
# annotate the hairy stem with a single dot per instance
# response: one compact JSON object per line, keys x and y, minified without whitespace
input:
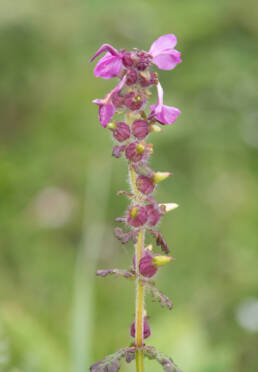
{"x":139,"y":311}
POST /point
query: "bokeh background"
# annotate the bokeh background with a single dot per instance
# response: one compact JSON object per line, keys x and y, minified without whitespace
{"x":58,"y":183}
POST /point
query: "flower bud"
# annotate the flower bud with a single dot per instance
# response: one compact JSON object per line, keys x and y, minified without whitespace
{"x":153,"y":215}
{"x":160,"y":176}
{"x":159,"y":261}
{"x":146,"y":329}
{"x":131,"y":77}
{"x":137,"y":216}
{"x":121,"y":132}
{"x":155,"y":128}
{"x":134,"y":151}
{"x":140,"y":148}
{"x":112,"y":125}
{"x":134,"y":100}
{"x":167,"y":207}
{"x":140,"y":129}
{"x":145,"y":185}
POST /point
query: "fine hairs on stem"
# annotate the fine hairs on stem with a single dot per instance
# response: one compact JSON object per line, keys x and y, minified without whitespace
{"x":128,"y":101}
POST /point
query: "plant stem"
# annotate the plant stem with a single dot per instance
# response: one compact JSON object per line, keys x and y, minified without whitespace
{"x":139,"y":311}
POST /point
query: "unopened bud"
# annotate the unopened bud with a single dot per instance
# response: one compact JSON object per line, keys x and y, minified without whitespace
{"x":155,"y":128}
{"x":162,"y":260}
{"x":148,"y":248}
{"x":150,"y":148}
{"x":160,"y":176}
{"x":167,"y":207}
{"x":140,"y":148}
{"x":134,"y":212}
{"x":112,"y":125}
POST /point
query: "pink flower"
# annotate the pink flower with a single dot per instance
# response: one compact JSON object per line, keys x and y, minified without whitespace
{"x":110,"y":65}
{"x":163,"y":52}
{"x":162,"y":113}
{"x":106,"y":107}
{"x":146,"y":329}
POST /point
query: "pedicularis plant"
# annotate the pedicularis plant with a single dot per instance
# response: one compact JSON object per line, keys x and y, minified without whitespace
{"x":130,"y":99}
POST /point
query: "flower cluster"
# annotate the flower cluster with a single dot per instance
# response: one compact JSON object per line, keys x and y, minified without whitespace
{"x":126,"y":112}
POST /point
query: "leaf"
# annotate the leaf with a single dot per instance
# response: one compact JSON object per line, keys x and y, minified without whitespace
{"x":157,"y":295}
{"x":160,"y":241}
{"x":116,"y":273}
{"x":167,"y":363}
{"x":122,"y":192}
{"x":124,"y":237}
{"x":112,"y":362}
{"x":117,"y":151}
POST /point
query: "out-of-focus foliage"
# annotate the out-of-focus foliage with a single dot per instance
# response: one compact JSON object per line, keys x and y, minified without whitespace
{"x":49,"y":139}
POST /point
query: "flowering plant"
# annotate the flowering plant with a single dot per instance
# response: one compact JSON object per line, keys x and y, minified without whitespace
{"x":129,"y":98}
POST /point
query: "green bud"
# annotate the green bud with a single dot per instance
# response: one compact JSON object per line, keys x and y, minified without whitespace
{"x":160,"y":176}
{"x":162,"y":260}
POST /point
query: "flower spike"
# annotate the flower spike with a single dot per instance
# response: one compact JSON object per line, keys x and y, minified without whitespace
{"x":135,"y":121}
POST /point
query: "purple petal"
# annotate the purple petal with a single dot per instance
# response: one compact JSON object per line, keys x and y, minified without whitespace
{"x":105,"y":48}
{"x":117,"y":88}
{"x":163,"y":43}
{"x":167,"y":60}
{"x":164,"y":114}
{"x":98,"y":101}
{"x":106,"y":112}
{"x":108,"y":66}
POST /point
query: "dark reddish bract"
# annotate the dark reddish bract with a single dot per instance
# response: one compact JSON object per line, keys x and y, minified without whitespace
{"x":146,"y":266}
{"x":122,"y":132}
{"x":140,"y":129}
{"x":132,"y":152}
{"x":153,"y":214}
{"x":146,"y":329}
{"x":139,"y":218}
{"x":145,"y":185}
{"x":134,"y":100}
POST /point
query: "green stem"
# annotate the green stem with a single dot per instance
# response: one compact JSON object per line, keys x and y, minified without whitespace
{"x":139,"y":311}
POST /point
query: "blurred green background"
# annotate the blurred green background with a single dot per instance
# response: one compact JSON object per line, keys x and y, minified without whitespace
{"x":58,"y":184}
